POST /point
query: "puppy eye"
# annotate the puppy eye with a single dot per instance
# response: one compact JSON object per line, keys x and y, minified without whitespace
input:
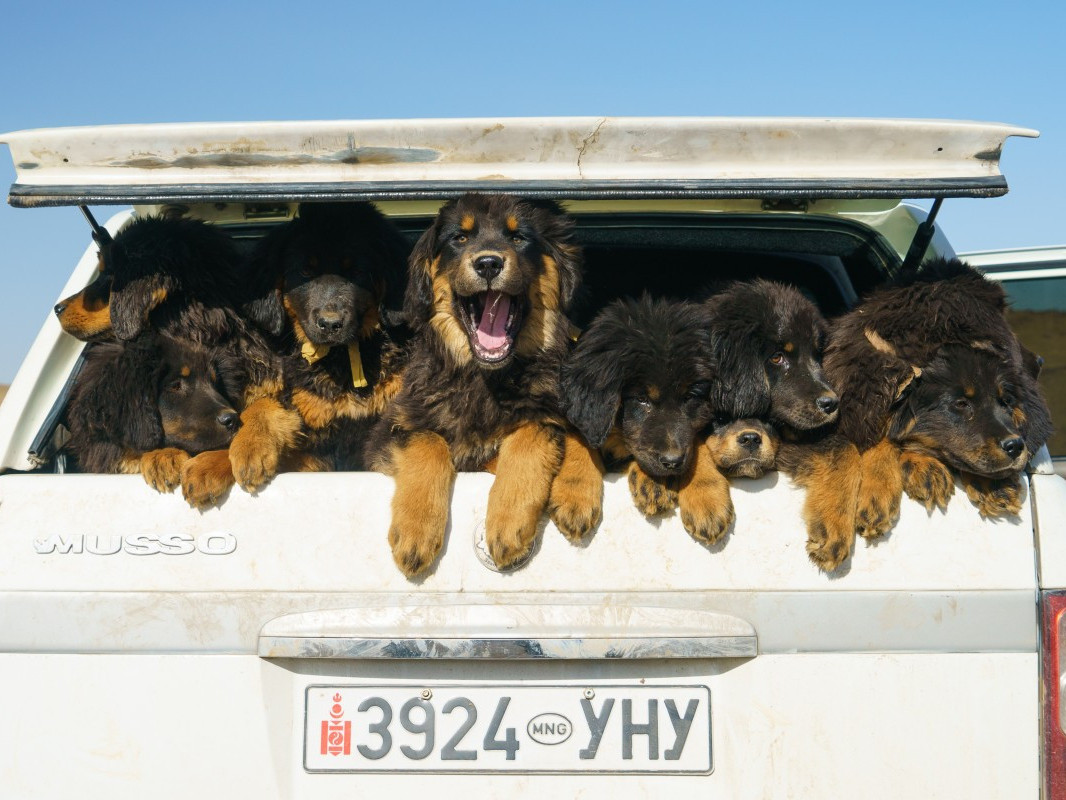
{"x":460,"y":238}
{"x":698,"y":391}
{"x":306,"y":273}
{"x":518,"y":238}
{"x":174,"y":385}
{"x":777,"y":359}
{"x":961,"y":405}
{"x":1008,"y":399}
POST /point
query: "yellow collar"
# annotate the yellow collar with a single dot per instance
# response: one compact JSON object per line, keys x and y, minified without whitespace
{"x":312,"y":352}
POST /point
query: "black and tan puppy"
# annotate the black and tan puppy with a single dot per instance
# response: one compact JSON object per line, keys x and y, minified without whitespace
{"x":636,"y":386}
{"x":323,"y":282}
{"x":769,"y":340}
{"x":147,"y":405}
{"x":181,"y":277}
{"x":949,"y":319}
{"x":743,"y":448}
{"x":490,"y":284}
{"x":963,"y":412}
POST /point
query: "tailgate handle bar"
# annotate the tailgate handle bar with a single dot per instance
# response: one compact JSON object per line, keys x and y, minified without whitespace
{"x":507,"y":632}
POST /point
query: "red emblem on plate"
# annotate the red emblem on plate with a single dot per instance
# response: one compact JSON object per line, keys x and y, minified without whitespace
{"x":336,"y":731}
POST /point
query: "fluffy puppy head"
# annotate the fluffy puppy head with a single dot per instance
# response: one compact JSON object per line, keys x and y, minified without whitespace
{"x":769,"y":343}
{"x":743,"y":448}
{"x":328,"y":273}
{"x":156,"y":271}
{"x":493,"y":278}
{"x":646,"y":367}
{"x":966,"y":410}
{"x":194,"y":413}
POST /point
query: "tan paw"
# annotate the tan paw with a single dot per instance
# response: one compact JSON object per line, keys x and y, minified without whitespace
{"x":653,"y":497}
{"x":576,"y":505}
{"x":207,"y":478}
{"x":876,"y":514}
{"x":416,"y":544}
{"x":254,"y":460}
{"x":162,"y":468}
{"x":927,"y":480}
{"x":994,"y":498}
{"x":705,"y":518}
{"x":829,"y":542}
{"x":509,"y":534}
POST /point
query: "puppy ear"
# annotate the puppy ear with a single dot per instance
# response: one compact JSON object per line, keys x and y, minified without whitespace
{"x":902,"y":419}
{"x":131,"y":304}
{"x":418,"y":293}
{"x":742,"y":388}
{"x":591,"y":384}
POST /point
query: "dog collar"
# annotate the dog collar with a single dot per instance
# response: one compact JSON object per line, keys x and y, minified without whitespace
{"x":312,"y":352}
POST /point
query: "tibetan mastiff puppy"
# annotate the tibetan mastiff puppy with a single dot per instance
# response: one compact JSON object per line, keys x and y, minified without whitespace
{"x":145,"y":406}
{"x":743,"y":448}
{"x":182,"y":278}
{"x":490,"y":285}
{"x":637,"y":387}
{"x":770,"y":341}
{"x":327,"y":283}
{"x":931,"y":379}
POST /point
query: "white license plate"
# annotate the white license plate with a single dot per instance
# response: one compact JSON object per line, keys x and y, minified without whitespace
{"x":452,"y":728}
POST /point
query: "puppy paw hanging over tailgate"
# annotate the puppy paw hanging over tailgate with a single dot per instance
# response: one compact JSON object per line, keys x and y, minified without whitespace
{"x":490,"y":284}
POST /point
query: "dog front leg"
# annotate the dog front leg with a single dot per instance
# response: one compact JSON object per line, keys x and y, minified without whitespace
{"x":706,"y":507}
{"x":880,"y":490}
{"x":528,"y":460}
{"x":576,"y":501}
{"x":422,"y":467}
{"x":268,"y":429}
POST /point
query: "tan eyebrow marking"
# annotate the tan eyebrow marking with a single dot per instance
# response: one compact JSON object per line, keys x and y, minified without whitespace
{"x":467,"y":223}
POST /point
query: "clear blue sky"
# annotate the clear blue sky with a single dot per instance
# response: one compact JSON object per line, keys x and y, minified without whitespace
{"x":103,"y":62}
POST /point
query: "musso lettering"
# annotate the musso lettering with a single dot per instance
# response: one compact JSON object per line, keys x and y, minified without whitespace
{"x":141,"y":544}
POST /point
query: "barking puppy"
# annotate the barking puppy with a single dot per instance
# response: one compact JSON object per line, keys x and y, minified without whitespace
{"x":490,"y":284}
{"x":145,"y":406}
{"x":636,"y":387}
{"x":323,"y":280}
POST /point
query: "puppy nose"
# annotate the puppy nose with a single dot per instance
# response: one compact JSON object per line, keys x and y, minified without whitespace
{"x":488,"y":267}
{"x":671,"y":461}
{"x":1013,"y":446}
{"x":329,"y":321}
{"x":59,"y":308}
{"x":750,"y":439}
{"x":229,"y":419}
{"x":827,"y":403}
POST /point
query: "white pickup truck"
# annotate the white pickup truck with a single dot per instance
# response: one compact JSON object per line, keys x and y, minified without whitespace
{"x":268,"y":648}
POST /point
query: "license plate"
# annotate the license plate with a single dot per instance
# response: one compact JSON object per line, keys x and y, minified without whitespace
{"x":499,"y":728}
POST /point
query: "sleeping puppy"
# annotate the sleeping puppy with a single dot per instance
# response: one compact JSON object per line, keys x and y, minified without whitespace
{"x":743,"y":448}
{"x":490,"y":285}
{"x":323,"y":282}
{"x":146,"y":406}
{"x":636,"y":386}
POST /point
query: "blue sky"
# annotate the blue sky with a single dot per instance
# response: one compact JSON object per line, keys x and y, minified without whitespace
{"x":104,"y":62}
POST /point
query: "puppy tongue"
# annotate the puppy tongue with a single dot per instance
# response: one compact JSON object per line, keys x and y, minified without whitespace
{"x":492,"y":327}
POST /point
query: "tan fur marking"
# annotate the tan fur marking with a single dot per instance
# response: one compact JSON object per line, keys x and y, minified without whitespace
{"x":543,"y":321}
{"x":926,"y":479}
{"x":969,"y":391}
{"x":267,"y":430}
{"x":449,"y":329}
{"x":880,"y":490}
{"x":983,"y":344}
{"x":994,"y":497}
{"x":371,"y":322}
{"x":467,"y":223}
{"x":316,"y":411}
{"x":879,"y":343}
{"x":576,"y":501}
{"x":704,"y":501}
{"x":84,"y":318}
{"x":424,"y":478}
{"x":162,"y":468}
{"x":185,"y":372}
{"x":528,"y":460}
{"x":298,"y":330}
{"x":512,"y":223}
{"x":654,"y":394}
{"x":652,"y":497}
{"x":270,"y":388}
{"x":789,"y":347}
{"x":1018,"y":417}
{"x":206,"y":478}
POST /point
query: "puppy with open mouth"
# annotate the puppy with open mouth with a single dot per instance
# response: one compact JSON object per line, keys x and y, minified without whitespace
{"x":490,"y":285}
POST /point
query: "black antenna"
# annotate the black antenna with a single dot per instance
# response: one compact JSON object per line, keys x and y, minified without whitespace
{"x":100,"y":234}
{"x":920,"y":242}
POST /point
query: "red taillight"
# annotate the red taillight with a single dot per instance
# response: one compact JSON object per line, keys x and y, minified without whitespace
{"x":1052,"y":664}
